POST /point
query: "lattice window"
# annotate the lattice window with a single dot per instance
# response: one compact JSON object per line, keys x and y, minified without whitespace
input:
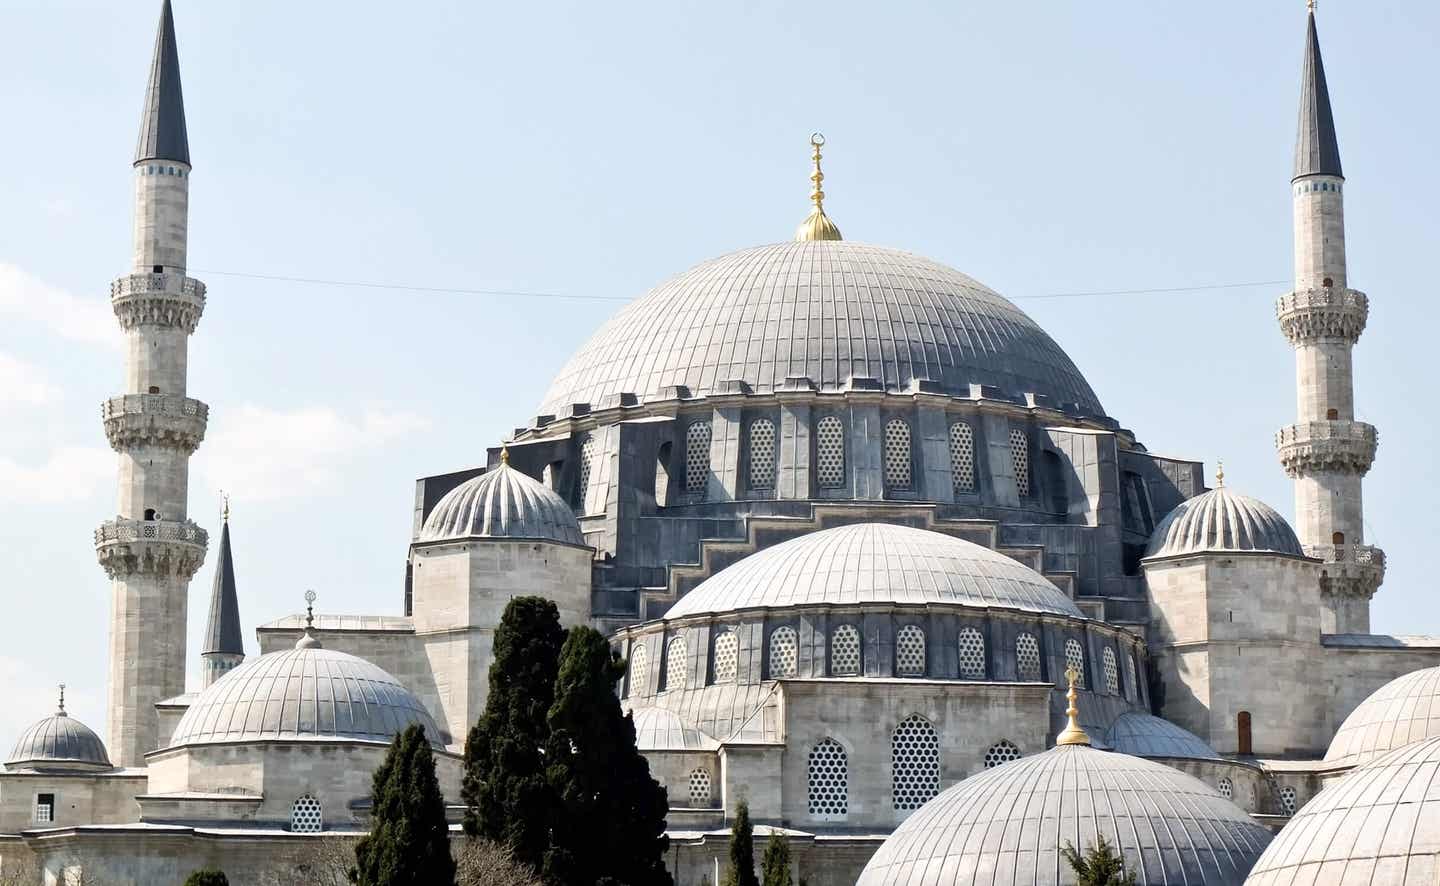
{"x":910,"y":651}
{"x":1075,"y":658}
{"x":305,"y":815}
{"x":727,"y":656}
{"x":762,"y":454}
{"x":1132,"y":688}
{"x":962,"y":457}
{"x":1227,"y":790}
{"x":675,"y":664}
{"x":639,"y":670}
{"x":587,"y":466}
{"x":828,"y":781}
{"x":845,"y":651}
{"x":784,"y":649}
{"x":1027,"y":658}
{"x":1288,"y":804}
{"x":972,"y":654}
{"x":829,"y":453}
{"x":914,"y":762}
{"x":697,"y":456}
{"x":699,"y":788}
{"x":1001,"y":752}
{"x":897,"y":454}
{"x":1112,"y":671}
{"x":44,"y":808}
{"x":1020,"y":461}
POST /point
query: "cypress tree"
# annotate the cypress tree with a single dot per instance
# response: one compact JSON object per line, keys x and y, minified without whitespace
{"x":1100,"y":865}
{"x":775,"y":866}
{"x":742,"y":850}
{"x":409,"y":840}
{"x":207,"y":877}
{"x":506,"y":796}
{"x":612,"y":813}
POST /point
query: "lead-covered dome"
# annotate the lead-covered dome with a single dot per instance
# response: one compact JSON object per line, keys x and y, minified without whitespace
{"x":661,"y":729}
{"x":1402,"y":712}
{"x":875,"y":563}
{"x":1007,"y":825}
{"x":1144,"y":735}
{"x":1223,"y":521}
{"x":502,"y":503}
{"x":828,"y":310}
{"x":59,"y":742}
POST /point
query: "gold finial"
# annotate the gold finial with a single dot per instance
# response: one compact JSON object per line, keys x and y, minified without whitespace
{"x":224,"y":506}
{"x":504,"y":454}
{"x":1220,"y":472}
{"x":61,"y":711}
{"x":817,"y":225}
{"x":1072,"y":734}
{"x":1310,"y":4}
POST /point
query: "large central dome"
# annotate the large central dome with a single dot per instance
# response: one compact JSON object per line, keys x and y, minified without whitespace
{"x":827,"y":310}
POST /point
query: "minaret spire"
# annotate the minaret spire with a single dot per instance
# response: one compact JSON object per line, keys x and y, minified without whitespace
{"x":162,"y":122}
{"x":1317,"y":150}
{"x":224,"y":648}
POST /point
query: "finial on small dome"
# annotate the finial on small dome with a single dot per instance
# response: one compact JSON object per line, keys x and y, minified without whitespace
{"x":1072,"y":734}
{"x":1220,"y":472}
{"x":309,"y":640}
{"x":817,"y":225}
{"x":504,"y":454}
{"x":61,"y":711}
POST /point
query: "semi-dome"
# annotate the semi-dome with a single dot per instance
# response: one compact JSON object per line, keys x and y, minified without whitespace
{"x":1144,"y":735}
{"x":1402,"y":712}
{"x":828,"y":310}
{"x":59,"y":742}
{"x":875,"y":563}
{"x":1376,"y":825}
{"x":502,"y":503}
{"x":661,"y":729}
{"x":1008,"y":824}
{"x":1224,"y":521}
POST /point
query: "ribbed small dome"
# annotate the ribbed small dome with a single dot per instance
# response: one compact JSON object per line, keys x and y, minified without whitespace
{"x":1007,"y":825}
{"x":661,"y":729}
{"x":1143,"y":735}
{"x":502,"y":503}
{"x":1221,"y":520}
{"x":1402,"y":712}
{"x":59,"y":742}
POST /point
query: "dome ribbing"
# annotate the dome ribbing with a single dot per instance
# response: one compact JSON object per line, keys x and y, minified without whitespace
{"x":1223,"y":521}
{"x":59,"y":742}
{"x":1144,"y":735}
{"x":502,"y":503}
{"x":1402,"y":712}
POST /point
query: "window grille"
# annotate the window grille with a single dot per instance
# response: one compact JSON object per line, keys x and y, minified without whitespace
{"x":762,"y":454}
{"x":972,"y":654}
{"x":914,"y":763}
{"x":639,"y":670}
{"x":897,"y":454}
{"x":675,"y":664}
{"x":1132,"y":688}
{"x":699,"y":788}
{"x":962,"y":457}
{"x":1001,"y":752}
{"x":845,"y":651}
{"x":1287,"y":800}
{"x":910,"y":651}
{"x":44,"y":808}
{"x":784,"y":647}
{"x":828,"y":781}
{"x":1112,"y":671}
{"x":1020,"y":460}
{"x":697,"y":456}
{"x":305,"y":815}
{"x":1027,"y":658}
{"x":587,"y":465}
{"x":1227,"y":790}
{"x":1075,"y":658}
{"x":727,"y":656}
{"x":829,"y":453}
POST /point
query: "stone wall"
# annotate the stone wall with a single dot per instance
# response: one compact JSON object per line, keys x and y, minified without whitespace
{"x":80,"y":798}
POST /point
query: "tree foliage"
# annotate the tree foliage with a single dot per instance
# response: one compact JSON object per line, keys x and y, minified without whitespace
{"x":409,"y":840}
{"x":1100,"y":865}
{"x":207,"y":877}
{"x":483,"y":863}
{"x":775,"y":866}
{"x":741,"y":871}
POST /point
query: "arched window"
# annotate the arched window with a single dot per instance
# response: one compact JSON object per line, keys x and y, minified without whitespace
{"x":914,"y":762}
{"x":784,"y":647}
{"x":897,"y":454}
{"x":962,"y":457}
{"x":675,"y":664}
{"x":639,"y":670}
{"x":845,"y":651}
{"x":1001,"y":752}
{"x":972,"y":654}
{"x":305,"y":815}
{"x":727,"y":656}
{"x":1020,"y":461}
{"x":699,"y":788}
{"x":1227,"y":790}
{"x":1027,"y":658}
{"x":1288,"y":803}
{"x":829,"y":453}
{"x":662,"y":474}
{"x":828,"y":781}
{"x":587,"y":467}
{"x":1112,"y":671}
{"x":1075,"y":658}
{"x":910,"y":652}
{"x":697,"y":456}
{"x":1132,"y":688}
{"x":762,"y":454}
{"x":1337,"y":538}
{"x":1242,"y":732}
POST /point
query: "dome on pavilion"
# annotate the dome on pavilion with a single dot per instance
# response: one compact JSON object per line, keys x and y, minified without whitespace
{"x":58,"y":742}
{"x":1223,"y":520}
{"x":502,"y":503}
{"x":1402,"y":712}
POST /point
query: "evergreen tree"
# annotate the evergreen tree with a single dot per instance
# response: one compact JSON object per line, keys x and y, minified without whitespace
{"x":506,"y":796}
{"x":207,"y":877}
{"x":1100,"y":865}
{"x":611,"y":821}
{"x":409,"y":840}
{"x":775,"y":866}
{"x":742,"y":850}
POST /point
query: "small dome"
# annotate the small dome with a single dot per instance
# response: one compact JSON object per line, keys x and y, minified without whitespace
{"x":1008,"y":824}
{"x":875,"y":563}
{"x":661,"y":729}
{"x":1402,"y":712}
{"x":1221,"y":520}
{"x":1142,"y":735}
{"x":502,"y":503}
{"x":59,"y":742}
{"x":1376,"y":825}
{"x":308,"y":692}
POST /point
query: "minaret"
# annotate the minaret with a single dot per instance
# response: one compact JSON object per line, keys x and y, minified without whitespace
{"x":224,"y":648}
{"x":151,"y":550}
{"x":1326,"y":451}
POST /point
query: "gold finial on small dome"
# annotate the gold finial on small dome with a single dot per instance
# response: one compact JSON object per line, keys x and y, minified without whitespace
{"x":504,"y":454}
{"x":817,"y":225}
{"x":1220,"y":472}
{"x":1072,"y":734}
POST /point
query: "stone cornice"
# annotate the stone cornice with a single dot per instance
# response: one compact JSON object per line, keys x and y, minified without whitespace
{"x":1327,"y":446}
{"x":1309,"y":315}
{"x":166,"y":420}
{"x":161,"y":548}
{"x":167,"y":300}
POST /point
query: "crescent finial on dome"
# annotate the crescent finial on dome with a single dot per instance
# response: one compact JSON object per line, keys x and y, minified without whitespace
{"x":1072,"y":734}
{"x":817,"y":225}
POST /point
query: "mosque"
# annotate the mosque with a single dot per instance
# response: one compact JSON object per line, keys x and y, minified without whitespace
{"x":881,"y":565}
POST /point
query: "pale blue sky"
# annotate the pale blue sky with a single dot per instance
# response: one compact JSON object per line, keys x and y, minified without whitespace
{"x":594,"y":149}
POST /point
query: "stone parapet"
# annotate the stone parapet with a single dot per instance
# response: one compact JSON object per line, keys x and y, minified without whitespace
{"x":171,"y":300}
{"x":1319,"y":446}
{"x":154,"y":420}
{"x":1349,"y":570}
{"x":150,"y":547}
{"x":1308,"y":315}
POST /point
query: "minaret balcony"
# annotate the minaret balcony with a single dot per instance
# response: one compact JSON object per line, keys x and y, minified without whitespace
{"x":166,"y":299}
{"x":1315,"y":447}
{"x":1309,"y":315}
{"x":162,"y":548}
{"x":1349,"y":570}
{"x":154,"y":420}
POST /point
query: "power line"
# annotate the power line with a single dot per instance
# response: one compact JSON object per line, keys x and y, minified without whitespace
{"x":1171,"y":290}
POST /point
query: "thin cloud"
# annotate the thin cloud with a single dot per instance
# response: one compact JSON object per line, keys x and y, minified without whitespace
{"x":70,"y":474}
{"x":23,"y":385}
{"x":26,"y":300}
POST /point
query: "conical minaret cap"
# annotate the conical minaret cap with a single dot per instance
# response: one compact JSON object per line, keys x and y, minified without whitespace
{"x":1317,"y":150}
{"x":222,"y":629}
{"x":162,"y":121}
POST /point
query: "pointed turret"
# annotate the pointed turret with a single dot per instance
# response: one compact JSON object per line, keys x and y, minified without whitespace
{"x":224,"y":648}
{"x":1317,"y":152}
{"x":162,"y":122}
